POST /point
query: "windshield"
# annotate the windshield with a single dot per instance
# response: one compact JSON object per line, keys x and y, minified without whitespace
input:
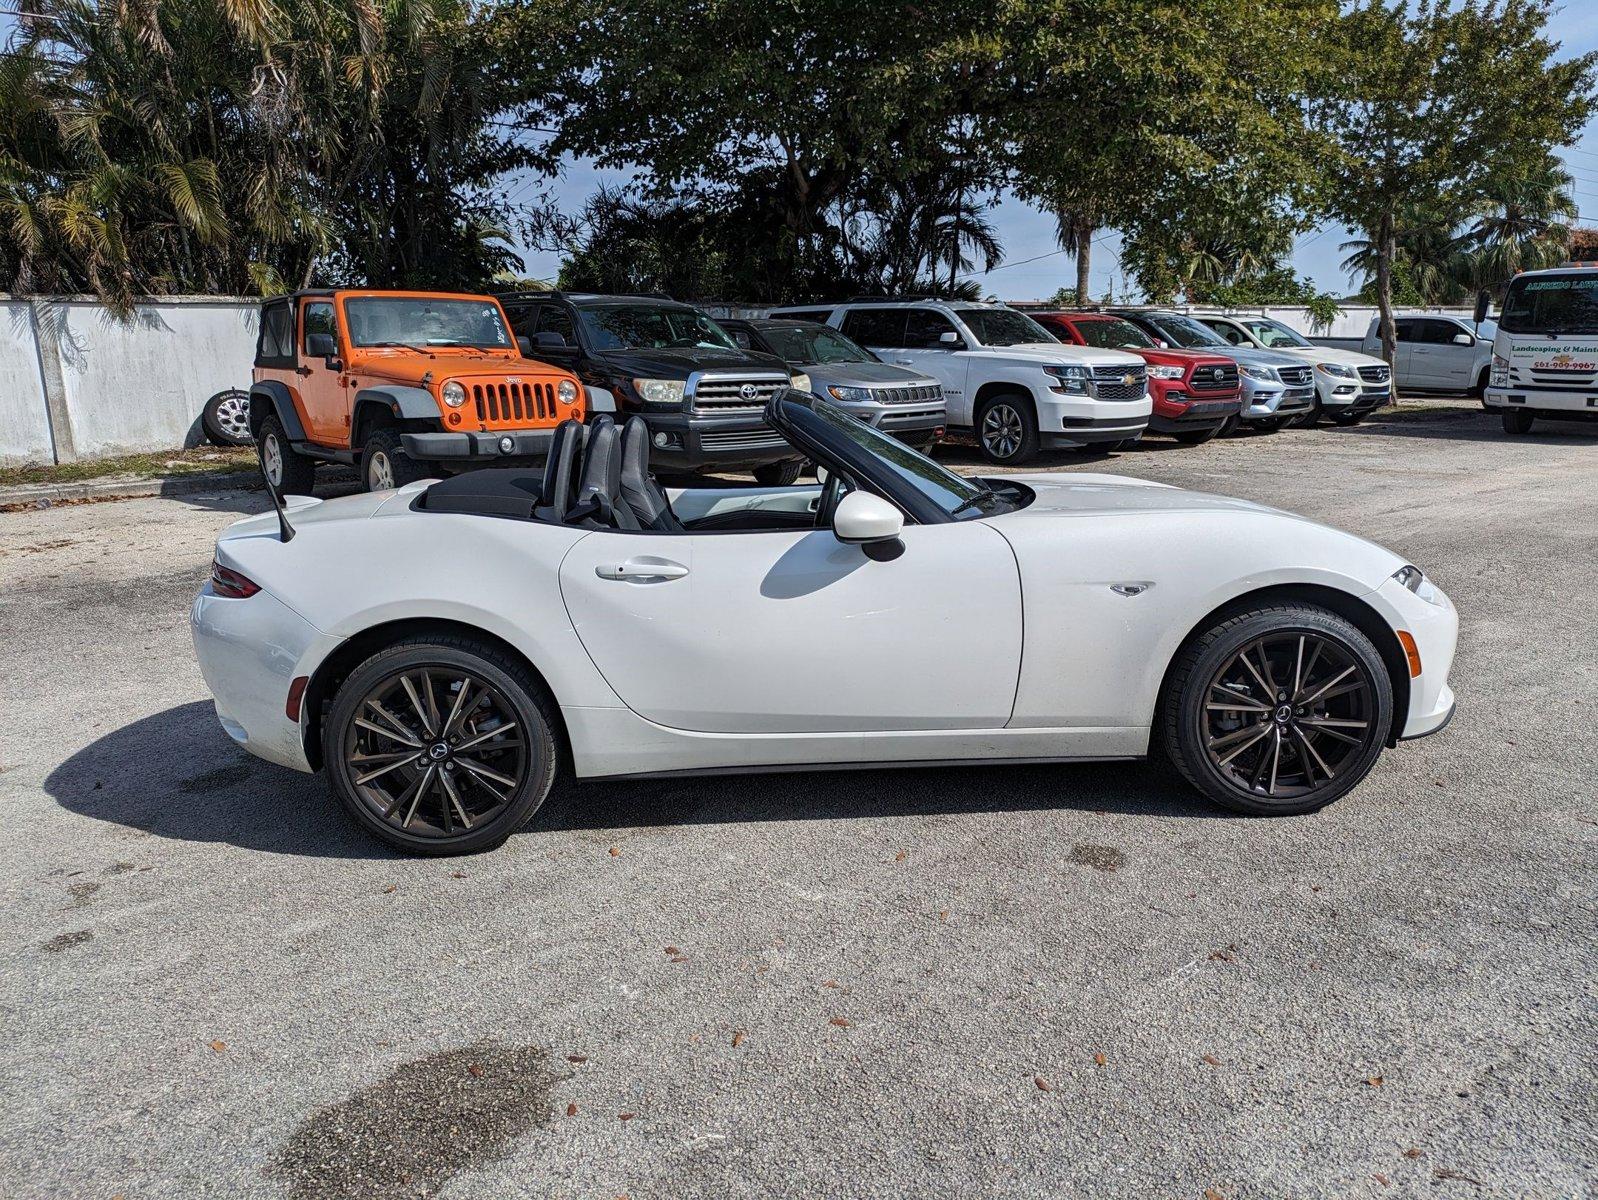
{"x":645,"y":326}
{"x":1182,"y":331}
{"x":1552,"y":304}
{"x":813,"y":344}
{"x":1272,"y":334}
{"x":1113,"y":334}
{"x":415,"y":321}
{"x":1003,"y":327}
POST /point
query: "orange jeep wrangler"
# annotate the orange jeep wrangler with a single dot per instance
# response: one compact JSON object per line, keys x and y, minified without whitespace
{"x":404,"y":385}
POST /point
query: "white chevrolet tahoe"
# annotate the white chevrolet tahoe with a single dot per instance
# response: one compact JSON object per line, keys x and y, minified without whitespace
{"x":1004,"y":376}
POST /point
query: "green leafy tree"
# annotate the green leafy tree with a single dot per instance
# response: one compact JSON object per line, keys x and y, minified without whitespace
{"x":1424,"y":101}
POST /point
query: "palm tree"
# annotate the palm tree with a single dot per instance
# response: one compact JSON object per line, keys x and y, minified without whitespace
{"x":1074,"y":227}
{"x":1521,"y":223}
{"x":1430,"y":254}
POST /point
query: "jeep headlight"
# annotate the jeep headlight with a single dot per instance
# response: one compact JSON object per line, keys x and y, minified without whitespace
{"x":1499,"y":376}
{"x":849,"y":395}
{"x":661,"y":393}
{"x":1264,"y":374}
{"x":1415,"y":580}
{"x":1072,"y":379}
{"x":454,"y":394}
{"x":567,"y":391}
{"x":1337,"y":370}
{"x":1164,"y":372}
{"x":800,"y":382}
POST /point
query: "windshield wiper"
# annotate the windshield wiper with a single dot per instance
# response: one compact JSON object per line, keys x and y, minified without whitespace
{"x":983,"y":497}
{"x":399,"y":345}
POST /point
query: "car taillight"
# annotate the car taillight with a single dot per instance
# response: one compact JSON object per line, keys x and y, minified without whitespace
{"x":227,"y":582}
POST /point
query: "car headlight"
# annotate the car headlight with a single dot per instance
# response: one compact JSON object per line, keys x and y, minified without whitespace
{"x":1415,"y":580}
{"x":663,"y":393}
{"x":1338,"y":370}
{"x":567,"y":391}
{"x":1266,"y":374}
{"x":1161,"y":372}
{"x":800,"y":382}
{"x":1072,"y":378}
{"x":454,"y":394}
{"x":849,"y":395}
{"x":1499,"y":375}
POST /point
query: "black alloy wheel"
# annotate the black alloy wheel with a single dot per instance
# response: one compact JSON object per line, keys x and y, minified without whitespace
{"x":440,"y":746}
{"x":1278,"y":710}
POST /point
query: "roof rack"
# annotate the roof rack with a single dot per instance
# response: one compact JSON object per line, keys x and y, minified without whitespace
{"x":563,"y":295}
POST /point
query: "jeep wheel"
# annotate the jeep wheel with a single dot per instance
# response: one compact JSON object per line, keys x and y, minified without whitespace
{"x":779,"y":474}
{"x":1007,"y":429}
{"x":291,"y":473}
{"x":1517,"y":421}
{"x":226,"y":418}
{"x":385,"y":465}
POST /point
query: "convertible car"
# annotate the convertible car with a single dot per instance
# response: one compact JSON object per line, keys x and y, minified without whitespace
{"x":446,"y":651}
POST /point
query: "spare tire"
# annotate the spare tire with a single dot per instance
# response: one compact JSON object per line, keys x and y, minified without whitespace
{"x":226,"y":418}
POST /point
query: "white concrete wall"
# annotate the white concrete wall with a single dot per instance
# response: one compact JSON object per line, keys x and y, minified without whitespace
{"x":117,"y":385}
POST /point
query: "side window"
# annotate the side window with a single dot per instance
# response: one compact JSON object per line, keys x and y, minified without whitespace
{"x":741,"y":336}
{"x":318,"y":318}
{"x":1405,"y":330}
{"x":1231,"y":333}
{"x":553,"y":318}
{"x":924,"y":326}
{"x":523,"y":318}
{"x":1439,"y":333}
{"x":875,"y":326}
{"x":275,"y":347}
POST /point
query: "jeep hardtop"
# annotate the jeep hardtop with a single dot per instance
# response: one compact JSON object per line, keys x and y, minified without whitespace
{"x":402,"y":384}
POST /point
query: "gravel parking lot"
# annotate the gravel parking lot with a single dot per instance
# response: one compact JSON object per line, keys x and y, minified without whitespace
{"x":1009,"y":981}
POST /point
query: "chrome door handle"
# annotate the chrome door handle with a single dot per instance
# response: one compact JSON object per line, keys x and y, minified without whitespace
{"x":644,"y":569}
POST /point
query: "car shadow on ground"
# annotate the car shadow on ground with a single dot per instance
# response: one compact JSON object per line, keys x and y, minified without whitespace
{"x":175,"y":774}
{"x":1477,"y":426}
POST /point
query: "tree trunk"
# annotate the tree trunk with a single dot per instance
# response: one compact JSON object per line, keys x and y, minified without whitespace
{"x":1386,"y":249}
{"x":1083,"y":236}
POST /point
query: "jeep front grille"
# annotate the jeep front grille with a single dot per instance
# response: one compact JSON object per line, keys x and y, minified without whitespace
{"x":919,"y":393}
{"x":719,"y":393}
{"x":1120,"y":383}
{"x":506,"y":405}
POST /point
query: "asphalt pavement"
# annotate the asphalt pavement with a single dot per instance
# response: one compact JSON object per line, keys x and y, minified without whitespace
{"x":1039,"y":981}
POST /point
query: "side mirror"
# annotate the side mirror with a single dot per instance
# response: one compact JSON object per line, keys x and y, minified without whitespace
{"x":951,"y":339}
{"x":551,"y":341}
{"x":1484,"y":304}
{"x":321,"y":345}
{"x":524,"y":344}
{"x":870,"y":522}
{"x":1464,"y":339}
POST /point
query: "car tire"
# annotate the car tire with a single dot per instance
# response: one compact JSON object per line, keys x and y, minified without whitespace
{"x":1007,"y":429}
{"x":404,"y":790}
{"x":290,"y":472}
{"x":1232,"y":742}
{"x":226,"y":418}
{"x":384,"y":463}
{"x":1308,"y":420}
{"x":779,"y":474}
{"x":1344,"y":420}
{"x":1197,"y":437}
{"x":1268,"y":424}
{"x":1480,"y":389}
{"x":1517,"y":421}
{"x":1229,"y":426}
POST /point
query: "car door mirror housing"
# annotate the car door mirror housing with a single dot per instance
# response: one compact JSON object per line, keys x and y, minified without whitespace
{"x":866,"y":520}
{"x":321,"y":345}
{"x":951,"y":340}
{"x":524,"y":344}
{"x":551,"y":341}
{"x":1484,"y":302}
{"x":1464,"y":339}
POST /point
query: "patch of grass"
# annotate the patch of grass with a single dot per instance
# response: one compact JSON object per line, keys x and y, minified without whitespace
{"x":200,"y":461}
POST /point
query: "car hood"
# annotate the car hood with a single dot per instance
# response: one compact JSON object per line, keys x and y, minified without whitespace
{"x":1058,"y":352}
{"x":1247,"y":356}
{"x":413,"y":369}
{"x":1087,"y":493}
{"x":857,"y":374}
{"x":679,"y":364}
{"x":1331,"y":354}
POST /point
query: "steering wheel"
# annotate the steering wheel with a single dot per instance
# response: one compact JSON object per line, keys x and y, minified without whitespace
{"x":832,"y":492}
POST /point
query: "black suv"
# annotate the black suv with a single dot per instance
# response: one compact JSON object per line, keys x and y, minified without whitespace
{"x":650,"y":356}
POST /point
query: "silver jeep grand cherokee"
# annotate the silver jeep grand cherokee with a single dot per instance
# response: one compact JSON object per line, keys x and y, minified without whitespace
{"x":901,"y":402}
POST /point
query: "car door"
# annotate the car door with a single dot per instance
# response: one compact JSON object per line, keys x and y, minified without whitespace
{"x":323,"y":394}
{"x":1449,"y":363}
{"x":925,"y":350}
{"x":1407,"y":331}
{"x":796,"y":632}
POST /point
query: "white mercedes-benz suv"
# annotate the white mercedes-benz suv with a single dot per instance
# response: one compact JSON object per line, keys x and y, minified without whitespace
{"x":1004,"y":376}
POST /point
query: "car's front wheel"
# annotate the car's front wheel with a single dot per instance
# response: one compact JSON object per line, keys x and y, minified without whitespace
{"x":1276,"y":710}
{"x":1517,"y":421}
{"x":290,"y":472}
{"x":1268,"y":424}
{"x":779,"y":474}
{"x":440,"y":745}
{"x":1007,"y":429}
{"x":384,"y":463}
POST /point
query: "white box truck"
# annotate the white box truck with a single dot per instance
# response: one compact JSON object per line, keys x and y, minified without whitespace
{"x":1545,"y":351}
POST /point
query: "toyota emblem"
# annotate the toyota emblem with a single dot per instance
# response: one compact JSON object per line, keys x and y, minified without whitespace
{"x":1216,"y":372}
{"x":749,"y":391}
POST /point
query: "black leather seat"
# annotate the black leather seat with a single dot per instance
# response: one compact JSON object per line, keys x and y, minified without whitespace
{"x":599,"y":504}
{"x":645,"y":498}
{"x":562,"y":471}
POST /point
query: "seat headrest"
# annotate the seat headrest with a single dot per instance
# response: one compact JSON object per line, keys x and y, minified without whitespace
{"x":562,"y":471}
{"x":599,"y":494}
{"x":639,"y":490}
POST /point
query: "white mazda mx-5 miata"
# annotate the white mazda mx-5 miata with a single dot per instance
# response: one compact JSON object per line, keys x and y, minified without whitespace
{"x":446,"y":650}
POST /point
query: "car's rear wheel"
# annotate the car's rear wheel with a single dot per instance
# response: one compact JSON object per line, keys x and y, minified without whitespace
{"x":1277,"y":710}
{"x":291,"y":473}
{"x":779,"y":474}
{"x":226,"y":418}
{"x":1196,"y":437}
{"x":1268,"y":424}
{"x":1007,"y":429}
{"x":1517,"y":421}
{"x":1347,"y":418}
{"x":384,"y":464}
{"x":441,"y":745}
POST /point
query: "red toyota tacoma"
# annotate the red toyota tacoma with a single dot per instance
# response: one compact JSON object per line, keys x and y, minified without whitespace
{"x":1195,"y":394}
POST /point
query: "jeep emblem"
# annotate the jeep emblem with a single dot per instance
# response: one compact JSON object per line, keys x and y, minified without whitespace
{"x":749,"y":391}
{"x":513,"y":379}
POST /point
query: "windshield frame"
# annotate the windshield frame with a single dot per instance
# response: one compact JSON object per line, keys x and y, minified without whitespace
{"x":585,"y":314}
{"x":1187,"y":324}
{"x":350,"y":305}
{"x":1083,"y":324}
{"x":1521,"y":285}
{"x":1253,"y":324}
{"x":963,"y":314}
{"x":813,"y":331}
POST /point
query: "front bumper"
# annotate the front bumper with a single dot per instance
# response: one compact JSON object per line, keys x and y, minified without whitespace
{"x":1435,"y":628}
{"x":444,"y":447}
{"x":1193,"y":412}
{"x":914,"y":423}
{"x":250,"y":652}
{"x":1352,"y":395}
{"x":1087,"y":421}
{"x":702,"y":441}
{"x":1559,"y":405}
{"x":1264,"y":401}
